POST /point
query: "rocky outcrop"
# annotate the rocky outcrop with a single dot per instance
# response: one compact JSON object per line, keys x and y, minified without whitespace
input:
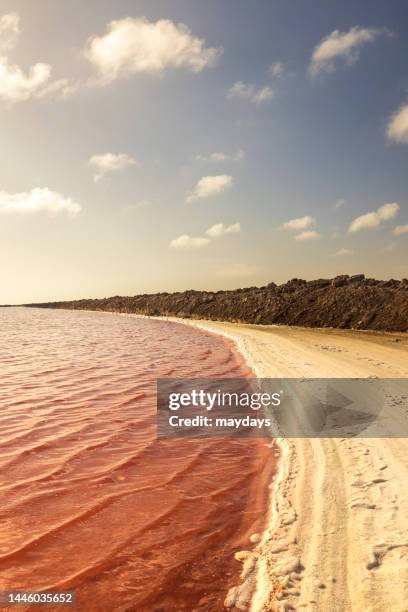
{"x":353,"y":302}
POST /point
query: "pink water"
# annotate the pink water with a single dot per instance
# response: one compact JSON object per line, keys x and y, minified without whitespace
{"x":90,"y":499}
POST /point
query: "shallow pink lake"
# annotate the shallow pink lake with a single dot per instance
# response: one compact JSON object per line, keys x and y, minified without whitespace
{"x":90,"y":499}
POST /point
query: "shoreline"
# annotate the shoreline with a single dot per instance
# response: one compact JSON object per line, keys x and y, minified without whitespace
{"x":256,"y":587}
{"x":255,"y":582}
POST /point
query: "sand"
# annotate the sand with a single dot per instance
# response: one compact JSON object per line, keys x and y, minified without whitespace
{"x":337,"y":537}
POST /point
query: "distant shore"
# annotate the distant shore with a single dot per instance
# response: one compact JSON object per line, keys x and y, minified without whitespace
{"x":345,"y":302}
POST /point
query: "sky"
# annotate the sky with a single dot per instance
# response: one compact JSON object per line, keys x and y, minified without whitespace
{"x":165,"y":145}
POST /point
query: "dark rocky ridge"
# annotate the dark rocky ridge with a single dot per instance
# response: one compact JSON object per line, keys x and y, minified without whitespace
{"x":348,"y":302}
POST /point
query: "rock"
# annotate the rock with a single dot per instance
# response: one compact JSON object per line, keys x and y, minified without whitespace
{"x":231,"y":597}
{"x":320,"y":282}
{"x":371,"y":281}
{"x":392,"y":283}
{"x":242,"y":555}
{"x":357,"y":278}
{"x":340,"y":281}
{"x":360,"y":303}
{"x":296,"y":281}
{"x":255,"y":538}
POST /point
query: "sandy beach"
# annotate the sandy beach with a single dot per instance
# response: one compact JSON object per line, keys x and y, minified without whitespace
{"x":337,"y":539}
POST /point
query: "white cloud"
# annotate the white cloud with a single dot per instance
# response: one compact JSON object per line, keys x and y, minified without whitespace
{"x":400,"y":230}
{"x":343,"y":252}
{"x":263,"y":94}
{"x":9,"y":31}
{"x":344,"y":45}
{"x":131,"y":46}
{"x":216,"y":231}
{"x":308,"y":235}
{"x":209,"y":186}
{"x":300,"y":223}
{"x":16,"y":86}
{"x":374,"y":219}
{"x":109,"y":162}
{"x":397,"y":129}
{"x":219,"y":229}
{"x":186,"y":242}
{"x":38,"y":200}
{"x":61,"y":88}
{"x":219,"y":156}
{"x":248,"y":91}
{"x":241,"y":90}
{"x":276,"y":70}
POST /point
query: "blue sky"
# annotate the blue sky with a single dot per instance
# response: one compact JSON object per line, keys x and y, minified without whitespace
{"x":236,"y":161}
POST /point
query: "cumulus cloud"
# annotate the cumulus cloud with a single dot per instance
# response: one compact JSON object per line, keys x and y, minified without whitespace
{"x":241,"y":90}
{"x":136,"y":45}
{"x":308,"y":235}
{"x":17,"y":85}
{"x":249,"y":92}
{"x":61,"y":88}
{"x":371,"y":220}
{"x":216,"y":231}
{"x":187,"y":242}
{"x":209,"y":186}
{"x":219,"y":156}
{"x":263,"y":94}
{"x":219,"y":229}
{"x":109,"y":162}
{"x":341,"y":45}
{"x":343,"y":252}
{"x":38,"y":200}
{"x":300,"y":223}
{"x":9,"y":31}
{"x":400,"y":230}
{"x":397,"y":129}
